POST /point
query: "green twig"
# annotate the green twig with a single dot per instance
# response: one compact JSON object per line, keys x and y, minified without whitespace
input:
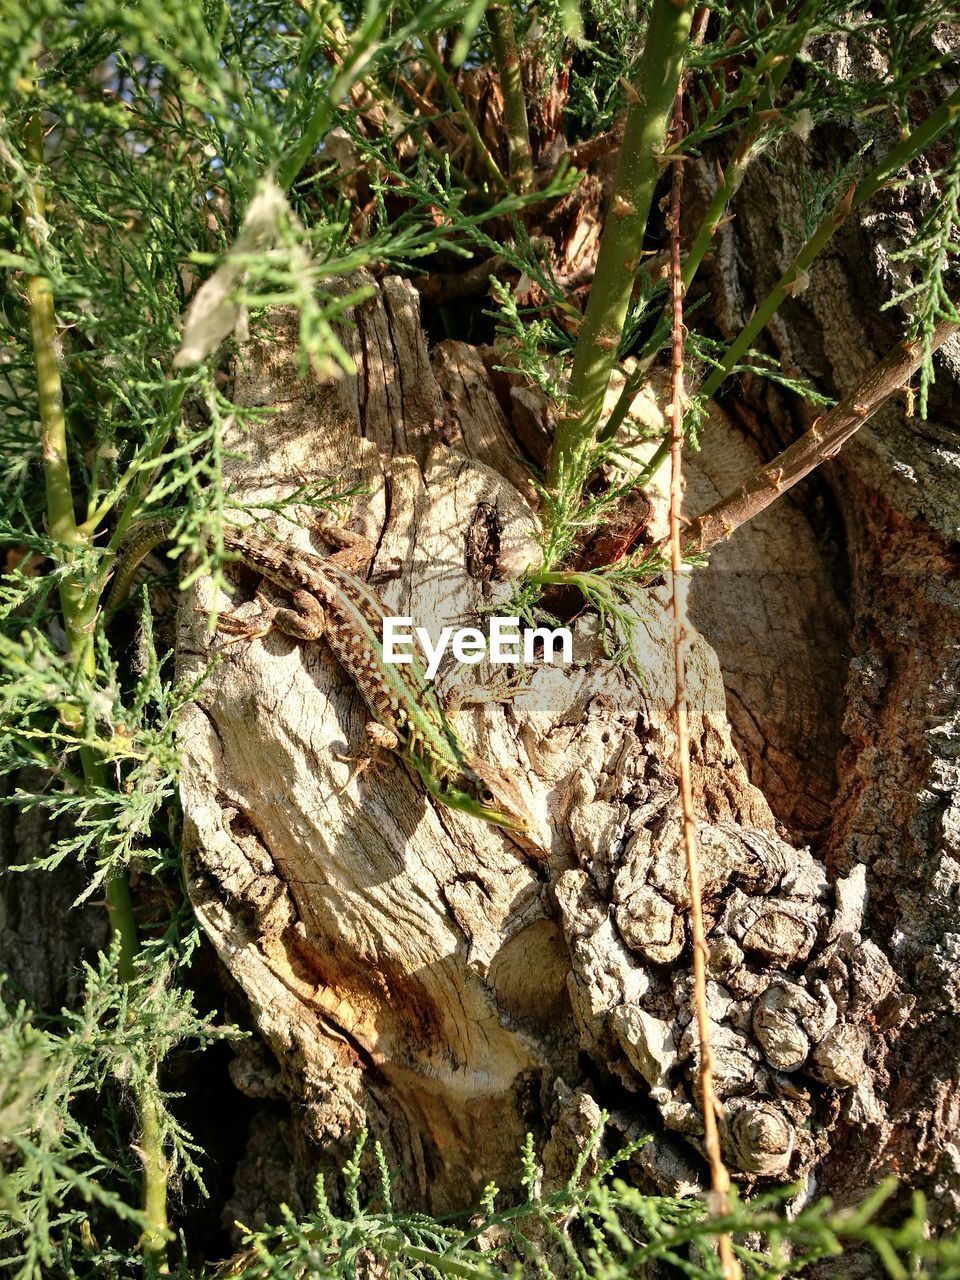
{"x":440,"y":1262}
{"x":61,"y":523}
{"x":793,"y":279}
{"x":337,"y":41}
{"x":504,"y":40}
{"x":780,"y":60}
{"x":450,"y":89}
{"x":353,"y":58}
{"x":639,"y":167}
{"x":79,"y":605}
{"x":153,"y":1241}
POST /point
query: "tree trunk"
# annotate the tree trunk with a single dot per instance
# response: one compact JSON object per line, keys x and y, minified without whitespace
{"x":417,"y":973}
{"x":887,"y":511}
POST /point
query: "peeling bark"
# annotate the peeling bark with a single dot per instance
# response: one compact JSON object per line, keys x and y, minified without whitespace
{"x":414,"y":971}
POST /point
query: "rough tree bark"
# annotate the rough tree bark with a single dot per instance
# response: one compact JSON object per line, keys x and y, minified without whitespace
{"x":415,"y":972}
{"x":888,"y":512}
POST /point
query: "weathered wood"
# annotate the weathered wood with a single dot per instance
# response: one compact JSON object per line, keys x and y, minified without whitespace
{"x":770,"y":604}
{"x":894,"y":493}
{"x":413,"y":970}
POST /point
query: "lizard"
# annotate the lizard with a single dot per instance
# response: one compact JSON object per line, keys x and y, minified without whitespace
{"x":328,"y":599}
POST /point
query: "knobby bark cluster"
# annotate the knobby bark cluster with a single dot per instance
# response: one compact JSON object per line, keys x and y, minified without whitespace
{"x":887,"y":512}
{"x":415,"y":972}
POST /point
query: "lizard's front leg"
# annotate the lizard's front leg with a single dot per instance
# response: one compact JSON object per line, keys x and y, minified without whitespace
{"x":355,"y":553}
{"x":380,"y":739}
{"x":305,"y":621}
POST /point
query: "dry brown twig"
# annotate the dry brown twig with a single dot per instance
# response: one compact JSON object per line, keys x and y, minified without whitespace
{"x":442,"y":122}
{"x":822,"y":441}
{"x":719,"y":1177}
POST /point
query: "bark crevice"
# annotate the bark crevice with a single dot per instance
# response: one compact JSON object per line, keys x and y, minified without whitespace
{"x":411,"y":969}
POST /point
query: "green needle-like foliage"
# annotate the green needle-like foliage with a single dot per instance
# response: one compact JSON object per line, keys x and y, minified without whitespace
{"x":596,"y":1227}
{"x":169,"y":170}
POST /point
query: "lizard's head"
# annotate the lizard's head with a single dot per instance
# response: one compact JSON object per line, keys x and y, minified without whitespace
{"x":488,"y":793}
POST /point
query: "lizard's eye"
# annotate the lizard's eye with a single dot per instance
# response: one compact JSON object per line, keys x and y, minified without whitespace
{"x":487,"y":796}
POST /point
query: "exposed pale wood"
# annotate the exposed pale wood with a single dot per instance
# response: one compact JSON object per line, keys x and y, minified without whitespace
{"x":773,"y":610}
{"x":770,"y":604}
{"x":414,"y":971}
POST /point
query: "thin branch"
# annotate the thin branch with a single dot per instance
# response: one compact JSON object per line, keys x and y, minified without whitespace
{"x":350,"y":58}
{"x":603,"y":144}
{"x":365,"y":93}
{"x":441,"y":121}
{"x":792,"y":279}
{"x":61,"y":521}
{"x":729,"y":180}
{"x":822,"y":441}
{"x":515,"y":122}
{"x":79,"y":605}
{"x":640,"y":164}
{"x":719,"y":1177}
{"x":450,"y":89}
{"x":156,"y":1172}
